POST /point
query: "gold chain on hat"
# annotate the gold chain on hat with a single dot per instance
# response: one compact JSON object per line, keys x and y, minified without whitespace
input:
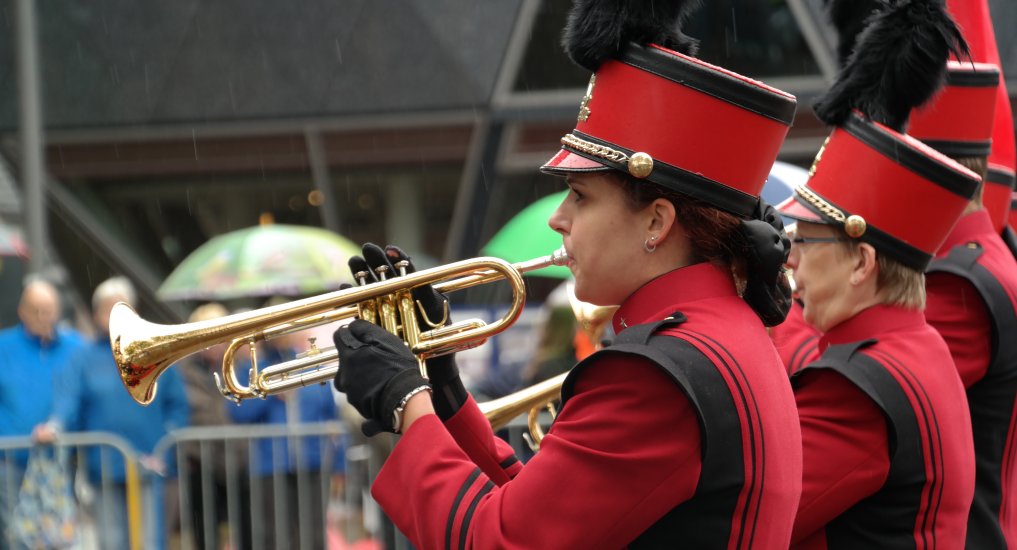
{"x":854,"y":225}
{"x":639,"y":164}
{"x":591,"y":148}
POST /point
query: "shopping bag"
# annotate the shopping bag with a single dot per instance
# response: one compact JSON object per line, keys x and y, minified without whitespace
{"x":45,"y":513}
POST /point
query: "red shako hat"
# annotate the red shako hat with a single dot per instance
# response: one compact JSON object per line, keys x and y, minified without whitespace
{"x":661,"y":115}
{"x":959,"y":121}
{"x":877,"y":183}
{"x":996,"y":195}
{"x":975,"y":21}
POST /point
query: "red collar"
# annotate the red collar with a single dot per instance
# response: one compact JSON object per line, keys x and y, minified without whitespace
{"x":871,"y":323}
{"x":971,"y":227}
{"x":665,"y":294}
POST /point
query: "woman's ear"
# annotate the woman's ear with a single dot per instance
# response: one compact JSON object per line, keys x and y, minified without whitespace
{"x":866,"y":265}
{"x":662,"y":218}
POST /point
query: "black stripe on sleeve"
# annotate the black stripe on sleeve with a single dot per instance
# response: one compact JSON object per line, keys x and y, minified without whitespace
{"x":508,"y":462}
{"x":469,"y":513}
{"x":455,"y":506}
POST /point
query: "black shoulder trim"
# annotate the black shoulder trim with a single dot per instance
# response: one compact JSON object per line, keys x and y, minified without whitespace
{"x":464,"y":530}
{"x":455,"y":506}
{"x":1010,"y":238}
{"x":959,"y":261}
{"x":907,"y":463}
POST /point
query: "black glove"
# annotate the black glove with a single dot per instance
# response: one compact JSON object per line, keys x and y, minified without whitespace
{"x":449,"y":392}
{"x":376,"y":372}
{"x":767,"y":290}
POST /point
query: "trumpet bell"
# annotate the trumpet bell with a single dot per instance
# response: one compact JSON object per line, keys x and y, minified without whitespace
{"x":140,"y":362}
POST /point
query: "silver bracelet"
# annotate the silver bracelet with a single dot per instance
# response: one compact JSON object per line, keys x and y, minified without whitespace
{"x":397,"y":414}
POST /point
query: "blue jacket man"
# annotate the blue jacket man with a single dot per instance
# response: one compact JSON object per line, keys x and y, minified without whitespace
{"x":33,"y":352}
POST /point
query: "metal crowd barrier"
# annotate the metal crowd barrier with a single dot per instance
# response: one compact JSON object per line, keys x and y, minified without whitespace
{"x":248,"y":493}
{"x":92,"y":500}
{"x":232,"y":500}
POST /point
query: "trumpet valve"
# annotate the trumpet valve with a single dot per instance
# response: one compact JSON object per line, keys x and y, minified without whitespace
{"x":401,"y":266}
{"x":311,"y":350}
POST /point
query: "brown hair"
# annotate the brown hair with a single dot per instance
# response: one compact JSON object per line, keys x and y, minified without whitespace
{"x":714,"y":235}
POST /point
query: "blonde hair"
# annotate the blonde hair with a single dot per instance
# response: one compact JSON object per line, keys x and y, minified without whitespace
{"x":114,"y":288}
{"x":207,"y":312}
{"x":898,"y":284}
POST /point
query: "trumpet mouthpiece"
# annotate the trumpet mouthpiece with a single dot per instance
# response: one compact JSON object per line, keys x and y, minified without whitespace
{"x":560,"y":257}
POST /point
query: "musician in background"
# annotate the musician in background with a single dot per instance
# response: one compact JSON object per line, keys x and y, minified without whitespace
{"x":972,"y":284}
{"x":683,"y":432}
{"x":887,"y":444}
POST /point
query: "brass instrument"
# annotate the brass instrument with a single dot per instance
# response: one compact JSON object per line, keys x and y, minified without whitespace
{"x":143,"y":350}
{"x":543,"y":395}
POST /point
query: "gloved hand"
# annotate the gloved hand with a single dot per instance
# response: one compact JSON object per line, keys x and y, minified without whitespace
{"x":376,"y":372}
{"x":449,"y":392}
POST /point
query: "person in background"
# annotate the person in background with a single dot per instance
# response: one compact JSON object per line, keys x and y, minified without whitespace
{"x":208,"y":408}
{"x":32,"y":353}
{"x":556,"y":345}
{"x":887,"y":442}
{"x":92,"y":399}
{"x":289,"y":474}
{"x":971,"y":286}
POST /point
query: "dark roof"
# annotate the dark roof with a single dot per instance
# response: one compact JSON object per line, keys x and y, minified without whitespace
{"x":123,"y":62}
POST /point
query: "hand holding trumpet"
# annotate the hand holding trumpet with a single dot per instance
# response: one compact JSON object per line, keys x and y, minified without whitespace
{"x":432,"y":308}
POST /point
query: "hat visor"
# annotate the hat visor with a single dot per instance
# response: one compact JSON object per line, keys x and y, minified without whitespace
{"x":798,"y":211}
{"x":566,"y":162}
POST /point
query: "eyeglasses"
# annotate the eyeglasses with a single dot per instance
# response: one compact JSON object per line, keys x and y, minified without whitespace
{"x":793,"y":236}
{"x":810,"y":240}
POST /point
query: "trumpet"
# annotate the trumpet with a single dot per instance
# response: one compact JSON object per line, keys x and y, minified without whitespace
{"x":499,"y":412}
{"x":143,"y":350}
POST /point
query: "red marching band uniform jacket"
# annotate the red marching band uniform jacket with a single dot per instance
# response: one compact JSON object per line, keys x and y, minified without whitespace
{"x":683,"y":433}
{"x":887,"y":437}
{"x":972,"y":302}
{"x":796,"y":341}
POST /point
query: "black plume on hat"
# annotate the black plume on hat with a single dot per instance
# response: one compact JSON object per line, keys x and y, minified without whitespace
{"x":898,"y":63}
{"x":597,"y":29}
{"x":850,"y":17}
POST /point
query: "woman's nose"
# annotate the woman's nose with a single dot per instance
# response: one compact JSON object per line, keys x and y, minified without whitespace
{"x":558,"y":221}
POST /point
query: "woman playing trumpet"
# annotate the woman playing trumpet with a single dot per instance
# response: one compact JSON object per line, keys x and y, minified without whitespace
{"x":683,"y":431}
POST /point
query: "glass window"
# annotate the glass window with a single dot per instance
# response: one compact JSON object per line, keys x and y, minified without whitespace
{"x":758,"y":38}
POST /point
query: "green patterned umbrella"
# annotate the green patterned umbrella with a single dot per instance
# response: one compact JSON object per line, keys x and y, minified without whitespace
{"x":527,"y":236}
{"x":265,"y":260}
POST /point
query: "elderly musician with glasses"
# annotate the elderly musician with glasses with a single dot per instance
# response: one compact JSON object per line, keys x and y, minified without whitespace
{"x":887,"y":444}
